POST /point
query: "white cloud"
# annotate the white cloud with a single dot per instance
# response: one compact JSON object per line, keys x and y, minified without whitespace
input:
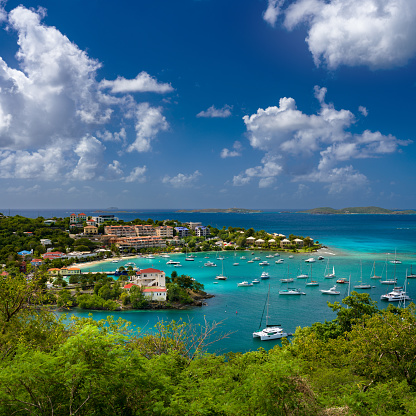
{"x":107,"y":136}
{"x":181,"y":180}
{"x":374,"y":33}
{"x":272,"y":11}
{"x":46,"y":164}
{"x":114,"y":170}
{"x":89,"y":166}
{"x":266,"y":172}
{"x":142,"y":83}
{"x":338,"y":180}
{"x":311,"y":147}
{"x":213,"y":112}
{"x":232,"y":153}
{"x":363,"y":110}
{"x":51,"y":105}
{"x":137,"y":175}
{"x":149,"y":122}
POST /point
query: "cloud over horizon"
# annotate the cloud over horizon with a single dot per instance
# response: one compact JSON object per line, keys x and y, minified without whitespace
{"x":310,"y":147}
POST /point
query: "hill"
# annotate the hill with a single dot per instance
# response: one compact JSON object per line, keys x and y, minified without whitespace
{"x":226,"y":210}
{"x":357,"y":210}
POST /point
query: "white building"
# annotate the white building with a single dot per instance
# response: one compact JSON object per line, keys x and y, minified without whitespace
{"x":149,"y":277}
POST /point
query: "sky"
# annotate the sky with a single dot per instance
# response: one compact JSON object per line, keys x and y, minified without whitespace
{"x":269,"y":104}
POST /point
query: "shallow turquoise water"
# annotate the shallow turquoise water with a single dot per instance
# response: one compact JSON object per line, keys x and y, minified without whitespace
{"x":354,"y":239}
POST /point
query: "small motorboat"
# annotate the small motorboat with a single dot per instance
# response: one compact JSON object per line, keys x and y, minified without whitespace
{"x":245,"y":284}
{"x":332,"y":291}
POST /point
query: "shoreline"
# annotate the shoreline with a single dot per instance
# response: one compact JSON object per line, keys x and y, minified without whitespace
{"x":324,"y":251}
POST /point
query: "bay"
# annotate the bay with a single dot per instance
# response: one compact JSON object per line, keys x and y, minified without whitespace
{"x":354,"y":243}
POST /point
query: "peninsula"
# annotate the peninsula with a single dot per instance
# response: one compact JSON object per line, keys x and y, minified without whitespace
{"x":220,"y":210}
{"x":358,"y":210}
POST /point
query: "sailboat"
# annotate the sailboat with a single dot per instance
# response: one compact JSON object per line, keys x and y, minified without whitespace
{"x":328,"y":275}
{"x":188,"y":258}
{"x":221,"y":276}
{"x":302,"y":275}
{"x":312,"y":282}
{"x":362,"y":285}
{"x":271,"y":331}
{"x":373,"y":272}
{"x":395,"y":261}
{"x":389,"y":281}
{"x":287,"y":279}
{"x":411,"y":275}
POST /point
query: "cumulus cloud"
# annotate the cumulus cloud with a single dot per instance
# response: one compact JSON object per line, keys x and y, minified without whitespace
{"x":149,"y":122}
{"x":181,"y":180}
{"x":266,"y":172}
{"x":142,"y":83}
{"x":213,"y":112}
{"x":137,"y":175}
{"x":374,"y":33}
{"x":311,"y":147}
{"x":51,"y":106}
{"x":90,"y":152}
{"x":272,"y":11}
{"x":232,"y":153}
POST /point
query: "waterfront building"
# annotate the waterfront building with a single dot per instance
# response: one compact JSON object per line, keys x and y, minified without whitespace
{"x":285,"y":243}
{"x":54,"y":271}
{"x":149,"y":277}
{"x":53,"y":255}
{"x":120,"y":230}
{"x":202,"y":231}
{"x":138,"y":242}
{"x":182,"y":231}
{"x":259,"y":242}
{"x":298,"y":242}
{"x":145,"y":230}
{"x":155,"y":293}
{"x":250,"y":240}
{"x":193,"y":225}
{"x":164,"y":231}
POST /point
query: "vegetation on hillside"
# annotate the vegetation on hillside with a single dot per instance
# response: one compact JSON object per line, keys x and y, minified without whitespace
{"x":361,"y":363}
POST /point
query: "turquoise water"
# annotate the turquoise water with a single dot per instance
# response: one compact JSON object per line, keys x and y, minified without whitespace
{"x":353,"y":240}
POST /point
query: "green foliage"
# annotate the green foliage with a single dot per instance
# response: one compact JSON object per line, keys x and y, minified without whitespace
{"x":96,"y":302}
{"x":137,"y":299}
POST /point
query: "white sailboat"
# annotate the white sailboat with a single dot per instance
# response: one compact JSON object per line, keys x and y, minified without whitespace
{"x":373,"y":272}
{"x":302,"y":275}
{"x":312,"y":282}
{"x":327,"y":274}
{"x":362,"y":285}
{"x":411,"y":275}
{"x":395,"y":261}
{"x":221,"y":276}
{"x":271,"y":331}
{"x":389,"y":281}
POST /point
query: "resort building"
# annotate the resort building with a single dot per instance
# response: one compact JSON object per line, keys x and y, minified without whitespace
{"x":193,"y":225}
{"x":182,"y":231}
{"x":36,"y":262}
{"x":164,"y":231}
{"x":202,"y":231}
{"x":120,"y":230}
{"x":54,"y":271}
{"x":70,"y":271}
{"x":298,"y":242}
{"x":259,"y":242}
{"x":45,"y":241}
{"x":149,"y":277}
{"x":101,"y":219}
{"x":250,"y":240}
{"x":145,"y":230}
{"x":53,"y":255}
{"x":155,"y":293}
{"x":139,"y":242}
{"x":90,"y":230}
{"x":77,"y":219}
{"x":285,"y":243}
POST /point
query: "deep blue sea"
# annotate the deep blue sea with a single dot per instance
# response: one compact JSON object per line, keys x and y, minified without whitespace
{"x":355,"y":244}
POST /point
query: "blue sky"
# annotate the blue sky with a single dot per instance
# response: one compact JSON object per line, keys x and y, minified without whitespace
{"x":214,"y":103}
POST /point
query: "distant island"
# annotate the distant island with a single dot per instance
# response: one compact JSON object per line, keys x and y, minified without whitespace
{"x":219,"y":210}
{"x":357,"y":210}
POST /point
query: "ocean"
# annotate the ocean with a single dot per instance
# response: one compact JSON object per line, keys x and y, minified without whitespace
{"x":355,"y":244}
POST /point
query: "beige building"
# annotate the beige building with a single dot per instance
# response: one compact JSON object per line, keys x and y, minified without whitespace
{"x":120,"y":230}
{"x":139,"y":242}
{"x":90,"y":230}
{"x":145,"y":230}
{"x":285,"y":243}
{"x":164,"y":231}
